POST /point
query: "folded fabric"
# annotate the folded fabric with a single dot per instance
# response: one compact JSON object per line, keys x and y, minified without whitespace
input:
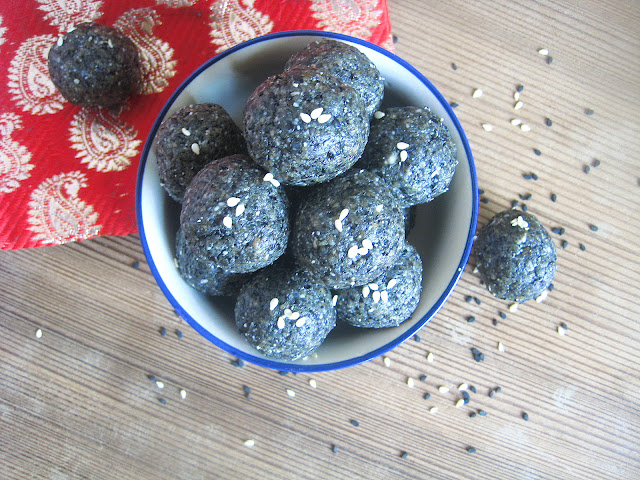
{"x":69,"y":173}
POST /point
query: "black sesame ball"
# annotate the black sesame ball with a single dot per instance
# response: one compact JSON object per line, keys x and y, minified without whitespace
{"x":412,"y":149}
{"x":388,"y":300}
{"x":189,"y":139}
{"x":347,"y":63}
{"x":348,"y":231}
{"x":284,"y":314}
{"x":95,"y":66}
{"x":515,"y":256}
{"x":233,"y":216}
{"x":305,"y":127}
{"x":202,"y":274}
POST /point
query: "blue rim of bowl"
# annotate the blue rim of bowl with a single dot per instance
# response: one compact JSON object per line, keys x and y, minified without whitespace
{"x":273,"y":364}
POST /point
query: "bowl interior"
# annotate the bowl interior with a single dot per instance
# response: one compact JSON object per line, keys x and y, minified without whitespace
{"x":442,"y":234}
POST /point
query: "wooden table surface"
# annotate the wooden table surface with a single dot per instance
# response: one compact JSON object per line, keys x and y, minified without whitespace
{"x":77,"y":402}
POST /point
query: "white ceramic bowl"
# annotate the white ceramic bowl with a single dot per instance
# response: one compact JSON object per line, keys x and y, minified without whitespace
{"x":444,"y":228}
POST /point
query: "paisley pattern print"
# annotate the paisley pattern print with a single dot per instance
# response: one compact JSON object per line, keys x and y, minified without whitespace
{"x":65,"y":14}
{"x":357,"y":18}
{"x":57,"y":214}
{"x":155,"y":55}
{"x":29,"y":82}
{"x":236,"y":21}
{"x":14,"y":158}
{"x":103,"y":141}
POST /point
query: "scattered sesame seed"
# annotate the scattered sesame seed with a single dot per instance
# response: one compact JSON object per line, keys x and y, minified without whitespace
{"x":518,"y":105}
{"x":516,"y":95}
{"x":477,"y":300}
{"x":163,"y":332}
{"x":593,"y":228}
{"x":433,"y":410}
{"x":249,"y":443}
{"x":554,"y":197}
{"x":587,"y":169}
{"x":564,"y":325}
{"x":519,"y":88}
{"x":227,"y":222}
{"x":152,"y":377}
{"x":492,"y":393}
{"x":454,"y":66}
{"x":525,"y":128}
{"x":159,"y":384}
{"x":582,"y":247}
{"x":516,"y":122}
{"x":334,"y":448}
{"x":468,"y":299}
{"x":471,"y":319}
{"x":417,"y":338}
{"x":430,"y":357}
{"x":537,"y":152}
{"x":162,"y":401}
{"x":501,"y":347}
{"x":548,"y":122}
{"x":543,"y":51}
{"x":291,"y":393}
{"x":465,"y":396}
{"x":513,"y":307}
{"x":386,"y":361}
{"x":473,"y":414}
{"x":183,"y":393}
{"x":238,"y":362}
{"x":273,"y":304}
{"x":443,"y":389}
{"x":564,"y":244}
{"x":542,"y":297}
{"x":459,"y":403}
{"x":482,"y":413}
{"x":498,"y":389}
{"x":404,"y":455}
{"x":423,"y":378}
{"x":589,"y":111}
{"x":136,"y":265}
{"x":494,"y":322}
{"x":471,"y":450}
{"x":549,"y":60}
{"x":324,"y":118}
{"x":355,"y":423}
{"x":427,"y":396}
{"x":463,"y":387}
{"x":558,"y":230}
{"x":313,"y":383}
{"x":195,"y":148}
{"x":596,"y":163}
{"x":410,"y":382}
{"x":473,"y":389}
{"x":378,"y":115}
{"x":561,"y":331}
{"x":525,"y":416}
{"x":186,"y":132}
{"x":305,"y":117}
{"x":477,"y":93}
{"x":478,"y":356}
{"x":454,"y":105}
{"x":487,"y":127}
{"x":179,"y":333}
{"x":39,"y":333}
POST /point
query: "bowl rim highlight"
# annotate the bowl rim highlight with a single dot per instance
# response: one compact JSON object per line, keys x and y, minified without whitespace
{"x":283,"y":365}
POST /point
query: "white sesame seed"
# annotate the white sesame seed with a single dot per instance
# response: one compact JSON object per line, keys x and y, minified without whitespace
{"x":39,"y":333}
{"x":183,"y":393}
{"x":294,"y":315}
{"x":443,"y":389}
{"x":334,"y":301}
{"x":516,"y":95}
{"x":477,"y":93}
{"x":305,"y":117}
{"x":324,"y":118}
{"x":518,"y":105}
{"x":227,"y":222}
{"x":280,"y":323}
{"x":296,"y":84}
{"x":240,"y":210}
{"x":373,"y":286}
{"x":433,"y":410}
{"x":378,"y":115}
{"x":352,"y":252}
{"x":273,"y":304}
{"x":110,"y":43}
{"x":515,"y":122}
{"x":60,"y":41}
{"x":501,"y":347}
{"x":288,"y":312}
{"x":233,"y":201}
{"x":543,"y":51}
{"x":520,"y":222}
{"x":513,"y":307}
{"x":430,"y":357}
{"x":375,"y":296}
{"x":175,"y":262}
{"x":460,"y":402}
{"x":366,"y":291}
{"x":402,"y":145}
{"x":561,"y":331}
{"x":159,"y":384}
{"x":525,"y":128}
{"x":403,"y":155}
{"x":313,"y":383}
{"x":343,"y":214}
{"x":386,"y":361}
{"x":186,"y":132}
{"x":249,"y":443}
{"x":363,"y":251}
{"x":542,"y":297}
{"x":76,"y":81}
{"x":301,"y":321}
{"x":269,"y":178}
{"x":195,"y":148}
{"x":384,"y":296}
{"x":410,"y":382}
{"x":463,"y":386}
{"x":391,"y":283}
{"x":379,"y":208}
{"x":487,"y":127}
{"x":315,"y":113}
{"x":291,"y":393}
{"x":338,"y":224}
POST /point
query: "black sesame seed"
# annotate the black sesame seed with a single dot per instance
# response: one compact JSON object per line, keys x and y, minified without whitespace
{"x":136,"y":265}
{"x":404,"y":455}
{"x":153,"y":378}
{"x":246,"y":389}
{"x":163,"y":332}
{"x":473,"y":414}
{"x":473,"y":389}
{"x":471,"y":450}
{"x":238,"y":362}
{"x":503,"y":315}
{"x":589,"y":111}
{"x":519,"y":88}
{"x":454,"y":66}
{"x":564,"y":325}
{"x":593,"y":228}
{"x":482,"y":413}
{"x":283,"y":373}
{"x":465,"y":395}
{"x":549,"y":60}
{"x":355,"y":423}
{"x":417,"y":338}
{"x":525,"y":208}
{"x":554,"y":197}
{"x":534,"y":176}
{"x":468,"y":299}
{"x":587,"y":169}
{"x":527,"y":176}
{"x":551,"y":287}
{"x":514,"y":204}
{"x":494,"y":322}
{"x":477,"y":300}
{"x":564,"y":244}
{"x":582,"y":247}
{"x":480,"y":191}
{"x":454,"y":105}
{"x":423,"y":378}
{"x":475,"y":351}
{"x":179,"y":333}
{"x":537,"y":151}
{"x":492,"y":393}
{"x":162,"y":401}
{"x":596,"y":163}
{"x":427,"y":396}
{"x":484,"y":200}
{"x":471,"y":319}
{"x":558,"y":230}
{"x":525,"y":416}
{"x":395,"y":38}
{"x":548,"y":122}
{"x":334,"y":448}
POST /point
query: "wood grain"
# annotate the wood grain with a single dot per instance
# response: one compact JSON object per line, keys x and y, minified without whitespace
{"x":77,"y":403}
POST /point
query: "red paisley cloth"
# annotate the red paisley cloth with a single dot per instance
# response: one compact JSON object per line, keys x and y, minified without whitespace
{"x":68,"y":173}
